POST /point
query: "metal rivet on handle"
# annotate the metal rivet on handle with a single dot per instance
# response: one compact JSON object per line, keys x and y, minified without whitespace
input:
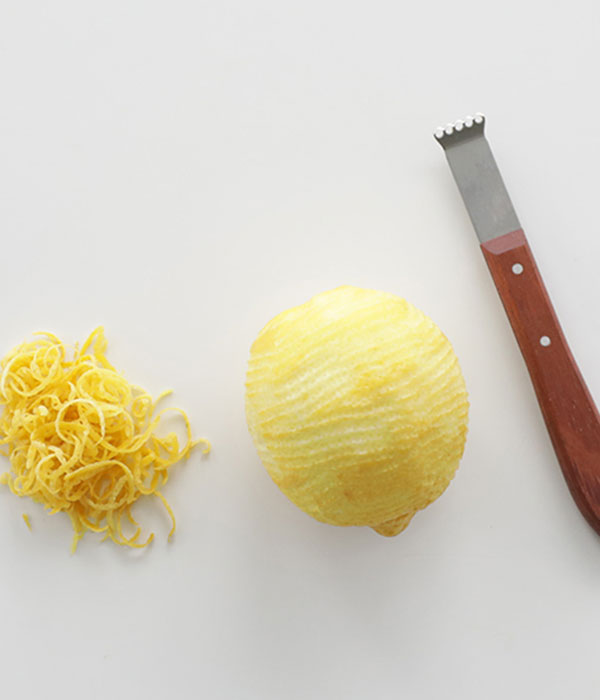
{"x":517,"y":268}
{"x":545,"y":341}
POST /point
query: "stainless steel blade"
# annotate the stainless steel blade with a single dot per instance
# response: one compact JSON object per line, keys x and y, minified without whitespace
{"x":478,"y":178}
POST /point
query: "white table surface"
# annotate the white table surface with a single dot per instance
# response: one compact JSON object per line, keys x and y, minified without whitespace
{"x":181,"y":172}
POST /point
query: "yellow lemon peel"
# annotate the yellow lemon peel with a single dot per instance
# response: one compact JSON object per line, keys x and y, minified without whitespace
{"x":358,"y":408}
{"x":81,"y":439}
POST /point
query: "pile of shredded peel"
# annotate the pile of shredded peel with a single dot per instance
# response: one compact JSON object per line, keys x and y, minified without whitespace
{"x":81,"y":439}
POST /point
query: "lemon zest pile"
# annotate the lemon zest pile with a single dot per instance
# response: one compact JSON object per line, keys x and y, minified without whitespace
{"x":81,"y":439}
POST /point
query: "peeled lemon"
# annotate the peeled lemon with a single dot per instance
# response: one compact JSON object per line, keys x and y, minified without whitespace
{"x":358,"y":408}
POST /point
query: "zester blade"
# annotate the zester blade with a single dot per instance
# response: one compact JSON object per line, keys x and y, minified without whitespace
{"x":478,"y":178}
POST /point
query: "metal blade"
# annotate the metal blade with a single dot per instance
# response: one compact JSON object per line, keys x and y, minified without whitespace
{"x":478,"y":178}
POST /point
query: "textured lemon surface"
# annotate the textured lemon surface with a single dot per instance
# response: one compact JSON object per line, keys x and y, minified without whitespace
{"x":358,"y":408}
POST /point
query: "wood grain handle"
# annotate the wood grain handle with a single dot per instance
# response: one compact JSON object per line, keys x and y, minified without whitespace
{"x":568,"y":408}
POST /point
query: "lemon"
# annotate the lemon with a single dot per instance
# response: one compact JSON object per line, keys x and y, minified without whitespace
{"x":357,"y":407}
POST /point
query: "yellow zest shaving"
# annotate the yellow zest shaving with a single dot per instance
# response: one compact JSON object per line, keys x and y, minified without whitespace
{"x":81,"y":439}
{"x":27,"y":520}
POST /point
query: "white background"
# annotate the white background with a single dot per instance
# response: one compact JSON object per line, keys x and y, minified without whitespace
{"x":182,"y":171}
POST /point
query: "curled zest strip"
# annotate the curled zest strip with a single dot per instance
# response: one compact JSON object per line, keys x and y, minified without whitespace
{"x":82,"y":440}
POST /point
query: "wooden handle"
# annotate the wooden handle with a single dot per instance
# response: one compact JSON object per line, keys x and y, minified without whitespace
{"x":569,"y":411}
